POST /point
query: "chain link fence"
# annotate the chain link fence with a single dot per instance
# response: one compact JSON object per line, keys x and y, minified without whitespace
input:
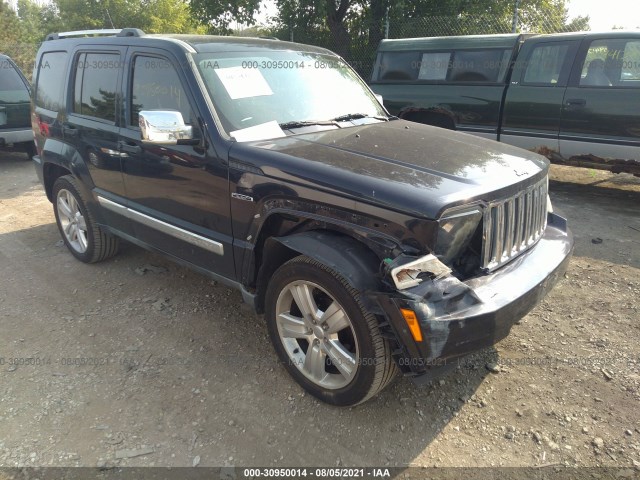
{"x":359,"y":44}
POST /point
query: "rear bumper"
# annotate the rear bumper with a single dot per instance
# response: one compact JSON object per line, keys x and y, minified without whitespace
{"x":15,"y":135}
{"x":458,"y":318}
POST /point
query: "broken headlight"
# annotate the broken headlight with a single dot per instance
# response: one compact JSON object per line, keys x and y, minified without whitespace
{"x":456,"y":228}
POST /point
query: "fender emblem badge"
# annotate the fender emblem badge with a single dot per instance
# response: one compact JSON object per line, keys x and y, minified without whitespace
{"x":240,"y":196}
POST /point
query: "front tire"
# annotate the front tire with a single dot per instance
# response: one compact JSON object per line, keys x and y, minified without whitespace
{"x":330,"y":344}
{"x":81,"y":234}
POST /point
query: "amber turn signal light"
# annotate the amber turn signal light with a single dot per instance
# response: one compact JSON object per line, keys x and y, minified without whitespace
{"x":412,"y":323}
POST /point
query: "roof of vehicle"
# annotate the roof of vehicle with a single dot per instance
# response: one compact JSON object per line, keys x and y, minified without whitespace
{"x":605,"y":34}
{"x":508,"y":40}
{"x":198,"y":43}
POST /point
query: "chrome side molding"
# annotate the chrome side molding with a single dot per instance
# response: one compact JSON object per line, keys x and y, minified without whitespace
{"x":164,"y":227}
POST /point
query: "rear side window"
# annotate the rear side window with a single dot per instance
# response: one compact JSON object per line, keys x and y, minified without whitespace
{"x":95,"y":85}
{"x":10,"y":79}
{"x":50,"y":80}
{"x":545,"y":64}
{"x":611,"y":63}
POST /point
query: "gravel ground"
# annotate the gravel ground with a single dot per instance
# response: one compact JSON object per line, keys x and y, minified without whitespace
{"x":139,"y":362}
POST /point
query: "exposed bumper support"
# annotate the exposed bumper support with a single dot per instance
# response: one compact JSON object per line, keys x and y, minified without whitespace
{"x":458,"y":318}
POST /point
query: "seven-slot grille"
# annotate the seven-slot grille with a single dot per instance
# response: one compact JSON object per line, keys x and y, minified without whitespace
{"x":513,"y":225}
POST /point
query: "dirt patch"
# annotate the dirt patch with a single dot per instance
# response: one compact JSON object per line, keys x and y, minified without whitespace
{"x":138,"y":362}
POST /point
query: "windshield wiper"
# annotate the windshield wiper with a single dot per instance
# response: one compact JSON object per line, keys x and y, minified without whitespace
{"x":357,"y":116}
{"x":307,"y":123}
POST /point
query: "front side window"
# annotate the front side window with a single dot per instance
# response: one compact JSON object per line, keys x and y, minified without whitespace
{"x":545,"y":64}
{"x":268,"y":93}
{"x":50,"y":80}
{"x":95,"y":86}
{"x":156,"y":86}
{"x":631,"y":63}
{"x":611,"y":62}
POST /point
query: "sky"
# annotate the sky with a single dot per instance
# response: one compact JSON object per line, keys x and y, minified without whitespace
{"x":604,"y":14}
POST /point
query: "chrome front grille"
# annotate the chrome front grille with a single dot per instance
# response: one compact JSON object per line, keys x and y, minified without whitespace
{"x":513,"y":225}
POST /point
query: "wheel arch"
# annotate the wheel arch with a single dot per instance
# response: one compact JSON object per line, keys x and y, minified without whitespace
{"x":59,"y":159}
{"x":349,"y":257}
{"x":51,"y":172}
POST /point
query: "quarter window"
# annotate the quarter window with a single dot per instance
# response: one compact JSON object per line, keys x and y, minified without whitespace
{"x":50,"y":83}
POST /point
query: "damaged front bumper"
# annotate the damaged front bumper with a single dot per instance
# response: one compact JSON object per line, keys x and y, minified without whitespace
{"x":457,"y":318}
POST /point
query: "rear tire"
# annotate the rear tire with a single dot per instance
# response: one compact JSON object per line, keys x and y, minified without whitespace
{"x":329,"y":343}
{"x":81,"y":234}
{"x":30,"y":150}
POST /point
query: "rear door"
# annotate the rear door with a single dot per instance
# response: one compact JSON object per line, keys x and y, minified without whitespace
{"x":533,"y":104}
{"x":91,"y":123}
{"x":600,"y":111}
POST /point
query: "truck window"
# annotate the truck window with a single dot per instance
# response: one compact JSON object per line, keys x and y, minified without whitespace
{"x":631,"y":63}
{"x":545,"y":63}
{"x":611,"y":62}
{"x":96,"y":81}
{"x":402,"y":66}
{"x":487,"y":66}
{"x":434,"y":66}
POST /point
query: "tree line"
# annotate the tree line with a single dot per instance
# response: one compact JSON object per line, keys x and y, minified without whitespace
{"x":352,"y":28}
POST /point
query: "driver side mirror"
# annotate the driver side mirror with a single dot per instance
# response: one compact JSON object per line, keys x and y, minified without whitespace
{"x":164,"y":127}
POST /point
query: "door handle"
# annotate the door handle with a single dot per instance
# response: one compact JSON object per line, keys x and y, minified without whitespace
{"x":69,"y":130}
{"x":129,"y":148}
{"x":576,"y":102}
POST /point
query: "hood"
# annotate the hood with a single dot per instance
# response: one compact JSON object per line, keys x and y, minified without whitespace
{"x":402,"y":165}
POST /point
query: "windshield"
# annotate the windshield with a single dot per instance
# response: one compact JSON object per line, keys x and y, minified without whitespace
{"x":258,"y":96}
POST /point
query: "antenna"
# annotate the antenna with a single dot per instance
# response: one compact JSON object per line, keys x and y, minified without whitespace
{"x":109,"y":17}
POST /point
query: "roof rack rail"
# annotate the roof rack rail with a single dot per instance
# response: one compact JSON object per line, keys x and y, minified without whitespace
{"x":118,"y":32}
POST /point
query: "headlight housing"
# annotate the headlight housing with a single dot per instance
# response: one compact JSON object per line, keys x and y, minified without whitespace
{"x":455,"y":231}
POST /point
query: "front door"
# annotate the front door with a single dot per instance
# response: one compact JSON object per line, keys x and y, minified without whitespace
{"x":178,"y":194}
{"x":600,"y":112}
{"x":531,"y":117}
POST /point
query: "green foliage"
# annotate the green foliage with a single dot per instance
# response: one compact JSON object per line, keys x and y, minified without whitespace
{"x":361,"y":23}
{"x":152,"y":16}
{"x":217,"y":16}
{"x":15,"y":39}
